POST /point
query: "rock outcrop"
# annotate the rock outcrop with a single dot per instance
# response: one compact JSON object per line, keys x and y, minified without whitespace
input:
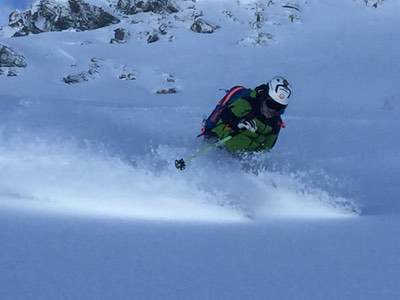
{"x":58,"y":15}
{"x":10,"y":58}
{"x":166,"y":91}
{"x":121,"y":36}
{"x":127,"y":74}
{"x":92,"y":73}
{"x":152,"y":37}
{"x":131,"y":7}
{"x":202,"y":26}
{"x":169,"y":83}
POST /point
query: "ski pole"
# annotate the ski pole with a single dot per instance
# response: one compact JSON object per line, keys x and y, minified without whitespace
{"x":180,"y":164}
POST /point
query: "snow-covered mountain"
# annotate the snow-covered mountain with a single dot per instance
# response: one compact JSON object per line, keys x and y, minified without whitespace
{"x":98,"y":99}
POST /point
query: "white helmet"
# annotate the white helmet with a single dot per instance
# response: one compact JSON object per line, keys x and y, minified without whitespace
{"x":280,"y":90}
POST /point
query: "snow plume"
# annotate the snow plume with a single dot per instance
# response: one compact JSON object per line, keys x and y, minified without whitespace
{"x":261,"y":191}
{"x":65,"y":179}
{"x":61,"y":178}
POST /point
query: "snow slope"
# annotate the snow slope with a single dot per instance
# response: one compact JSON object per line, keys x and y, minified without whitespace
{"x":92,"y":206}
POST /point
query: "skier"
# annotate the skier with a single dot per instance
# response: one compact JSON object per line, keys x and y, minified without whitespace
{"x":249,"y":120}
{"x":246,"y":120}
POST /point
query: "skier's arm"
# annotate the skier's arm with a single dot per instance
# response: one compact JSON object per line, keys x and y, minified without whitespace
{"x":234,"y":113}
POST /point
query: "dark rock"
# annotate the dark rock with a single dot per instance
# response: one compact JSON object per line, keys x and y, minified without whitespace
{"x":53,"y":15}
{"x":153,"y":37}
{"x":84,"y":43}
{"x":131,"y":7}
{"x":75,"y":78}
{"x":10,"y":58}
{"x":120,"y":36}
{"x":163,"y":29}
{"x":127,"y":74}
{"x":167,"y":91}
{"x":12,"y":73}
{"x":94,"y":66}
{"x":202,"y":26}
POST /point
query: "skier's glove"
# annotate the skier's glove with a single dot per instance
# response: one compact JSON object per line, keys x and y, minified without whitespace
{"x":248,"y":125}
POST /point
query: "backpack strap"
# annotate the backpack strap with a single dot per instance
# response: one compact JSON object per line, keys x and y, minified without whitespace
{"x":211,"y":121}
{"x":223,"y":102}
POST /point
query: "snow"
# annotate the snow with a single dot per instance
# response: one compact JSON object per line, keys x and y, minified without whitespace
{"x":92,"y":207}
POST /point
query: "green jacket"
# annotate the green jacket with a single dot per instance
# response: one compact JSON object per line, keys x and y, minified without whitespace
{"x":247,"y":108}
